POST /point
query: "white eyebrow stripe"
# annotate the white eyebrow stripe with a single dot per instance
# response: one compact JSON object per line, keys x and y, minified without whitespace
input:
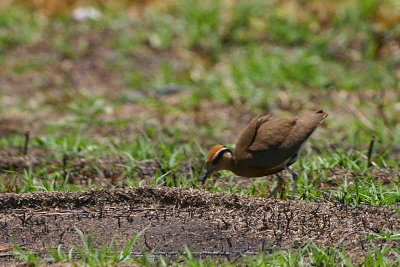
{"x":220,"y":151}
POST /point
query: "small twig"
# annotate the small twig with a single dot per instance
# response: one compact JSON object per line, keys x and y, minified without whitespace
{"x":172,"y":253}
{"x":229,"y":242}
{"x":381,"y":108}
{"x":366,"y":158}
{"x":61,"y":237}
{"x":26,"y":144}
{"x":8,"y":255}
{"x":147,"y":244}
{"x":371,"y":151}
{"x":64,"y":167}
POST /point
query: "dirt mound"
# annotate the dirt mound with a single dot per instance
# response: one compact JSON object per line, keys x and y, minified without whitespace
{"x":175,"y":217}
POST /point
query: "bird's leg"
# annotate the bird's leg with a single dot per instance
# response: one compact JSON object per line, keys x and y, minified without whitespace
{"x":282,"y":186}
{"x":294,"y":185}
{"x":277,"y":187}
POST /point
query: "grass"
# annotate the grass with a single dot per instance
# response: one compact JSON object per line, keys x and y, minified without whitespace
{"x":308,"y":255}
{"x":99,"y":88}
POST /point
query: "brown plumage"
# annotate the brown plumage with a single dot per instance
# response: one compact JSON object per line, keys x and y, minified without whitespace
{"x":267,"y":146}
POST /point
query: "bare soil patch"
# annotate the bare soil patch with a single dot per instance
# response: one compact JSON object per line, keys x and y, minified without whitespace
{"x":13,"y":158}
{"x":175,"y":217}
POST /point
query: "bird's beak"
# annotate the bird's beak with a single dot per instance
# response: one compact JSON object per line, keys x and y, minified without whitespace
{"x":207,"y":174}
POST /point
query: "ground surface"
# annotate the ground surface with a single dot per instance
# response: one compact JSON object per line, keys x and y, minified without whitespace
{"x":172,"y":218}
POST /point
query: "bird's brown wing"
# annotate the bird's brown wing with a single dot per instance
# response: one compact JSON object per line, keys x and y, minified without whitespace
{"x":268,"y":142}
{"x":259,"y":142}
{"x":266,"y":150}
{"x":272,"y":133}
{"x":304,"y":127}
{"x":248,"y":135}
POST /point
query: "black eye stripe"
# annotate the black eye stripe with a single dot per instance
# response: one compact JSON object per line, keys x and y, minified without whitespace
{"x":219,"y":155}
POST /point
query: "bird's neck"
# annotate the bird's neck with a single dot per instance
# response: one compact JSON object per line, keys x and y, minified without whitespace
{"x":227,"y":162}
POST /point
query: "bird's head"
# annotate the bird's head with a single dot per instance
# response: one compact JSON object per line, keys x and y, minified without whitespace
{"x":218,"y":158}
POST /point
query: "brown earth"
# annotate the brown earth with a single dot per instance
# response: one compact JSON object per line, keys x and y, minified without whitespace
{"x":174,"y":217}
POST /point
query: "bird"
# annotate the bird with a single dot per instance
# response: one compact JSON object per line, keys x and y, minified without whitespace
{"x":268,"y":145}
